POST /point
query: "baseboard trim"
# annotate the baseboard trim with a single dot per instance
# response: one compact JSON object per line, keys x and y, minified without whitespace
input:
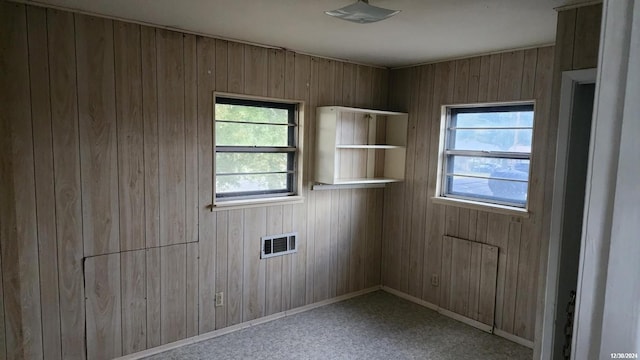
{"x":411,"y":298}
{"x":445,"y":312}
{"x":476,"y":324}
{"x":516,"y":339}
{"x":244,"y":325}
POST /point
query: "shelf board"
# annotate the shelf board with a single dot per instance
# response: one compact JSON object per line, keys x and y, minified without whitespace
{"x":365,"y":111}
{"x":369,"y":147}
{"x":365,"y":181}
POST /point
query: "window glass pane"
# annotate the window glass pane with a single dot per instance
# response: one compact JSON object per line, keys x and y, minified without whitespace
{"x":234,"y":134}
{"x":513,"y":169}
{"x":494,"y":119}
{"x":250,"y":183}
{"x":511,"y":140}
{"x":251,"y":114}
{"x":500,"y":191}
{"x":250,"y":162}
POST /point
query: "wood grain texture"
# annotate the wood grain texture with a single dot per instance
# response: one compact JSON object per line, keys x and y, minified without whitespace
{"x":587,"y":37}
{"x":173,"y":288}
{"x":253,"y":299}
{"x":44,"y":182}
{"x":98,"y":135}
{"x":273,"y":286}
{"x":515,"y":75}
{"x":64,"y":120}
{"x":103,"y":306}
{"x":116,"y":169}
{"x":18,"y":220}
{"x":208,"y":234}
{"x":154,"y":303}
{"x":133,"y":284}
{"x":171,"y":136}
{"x":235,"y":264}
{"x":192,"y":289}
{"x":130,"y":134}
{"x":150,"y":136}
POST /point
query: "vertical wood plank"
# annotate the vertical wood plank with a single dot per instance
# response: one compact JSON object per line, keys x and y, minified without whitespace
{"x":173,"y":287}
{"x":474,"y":280}
{"x":273,"y":296}
{"x":493,"y":86}
{"x":287,"y":227}
{"x":498,"y":235}
{"x":253,"y":290}
{"x":421,"y":183}
{"x":488,"y":277}
{"x":208,"y":236}
{"x":44,"y":185}
{"x":103,"y":307}
{"x":171,"y":137}
{"x":302,"y":78}
{"x":191,"y":134}
{"x":192,"y":289}
{"x":235,"y":265}
{"x":150,"y":130}
{"x":356,"y":261}
{"x":235,"y":67}
{"x":587,"y":36}
{"x":256,"y":70}
{"x":510,"y":83}
{"x":460,"y":273}
{"x":3,"y":333}
{"x":511,"y":277}
{"x":18,"y":221}
{"x":64,"y":120}
{"x":445,"y":275}
{"x":221,"y":230}
{"x":130,"y":134}
{"x":406,"y":250}
{"x":529,"y":73}
{"x":154,"y":297}
{"x":134,"y":304}
{"x":98,"y":135}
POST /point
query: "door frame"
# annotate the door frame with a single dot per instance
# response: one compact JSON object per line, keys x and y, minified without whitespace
{"x":570,"y":79}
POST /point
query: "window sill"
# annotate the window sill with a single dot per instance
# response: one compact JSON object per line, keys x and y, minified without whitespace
{"x":251,"y":203}
{"x":474,"y":205}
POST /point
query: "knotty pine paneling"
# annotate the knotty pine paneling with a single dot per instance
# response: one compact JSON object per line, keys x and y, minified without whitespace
{"x":414,"y":225}
{"x":107,"y":174}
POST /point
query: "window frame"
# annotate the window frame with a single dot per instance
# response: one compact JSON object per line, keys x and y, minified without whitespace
{"x":443,"y":196}
{"x":293,"y":193}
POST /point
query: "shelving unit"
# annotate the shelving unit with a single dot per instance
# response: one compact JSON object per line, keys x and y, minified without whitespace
{"x":359,"y":146}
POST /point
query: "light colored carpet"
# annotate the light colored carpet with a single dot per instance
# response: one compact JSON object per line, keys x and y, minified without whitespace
{"x":373,"y":326}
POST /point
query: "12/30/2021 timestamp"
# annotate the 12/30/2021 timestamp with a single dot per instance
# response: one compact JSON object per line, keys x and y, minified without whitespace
{"x":624,"y":355}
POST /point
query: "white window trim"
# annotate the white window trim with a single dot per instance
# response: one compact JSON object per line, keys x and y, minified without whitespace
{"x":296,"y":197}
{"x":440,"y":198}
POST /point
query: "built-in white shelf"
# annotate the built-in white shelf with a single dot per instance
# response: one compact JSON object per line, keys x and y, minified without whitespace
{"x":359,"y":146}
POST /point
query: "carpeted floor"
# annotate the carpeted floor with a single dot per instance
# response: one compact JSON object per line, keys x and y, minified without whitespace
{"x":373,"y":326}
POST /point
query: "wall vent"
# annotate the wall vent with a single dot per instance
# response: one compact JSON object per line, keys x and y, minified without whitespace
{"x":276,"y":245}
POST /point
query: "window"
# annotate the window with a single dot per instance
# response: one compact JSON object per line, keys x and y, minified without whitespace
{"x":256,"y":153}
{"x":486,"y":154}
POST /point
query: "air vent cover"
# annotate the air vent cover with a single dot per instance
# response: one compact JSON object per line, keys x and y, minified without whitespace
{"x":276,"y":245}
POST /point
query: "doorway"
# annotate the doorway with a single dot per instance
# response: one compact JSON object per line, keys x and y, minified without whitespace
{"x":572,"y":155}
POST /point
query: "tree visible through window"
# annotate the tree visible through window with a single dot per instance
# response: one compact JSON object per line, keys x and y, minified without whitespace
{"x":487,"y":153}
{"x":255,"y":150}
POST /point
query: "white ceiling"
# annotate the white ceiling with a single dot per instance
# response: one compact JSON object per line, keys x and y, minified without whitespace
{"x":425,"y":30}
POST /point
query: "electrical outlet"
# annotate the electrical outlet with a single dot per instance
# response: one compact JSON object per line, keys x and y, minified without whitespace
{"x":219,"y":299}
{"x":435,"y":280}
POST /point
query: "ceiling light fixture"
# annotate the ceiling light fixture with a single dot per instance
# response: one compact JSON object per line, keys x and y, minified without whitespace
{"x":362,"y":13}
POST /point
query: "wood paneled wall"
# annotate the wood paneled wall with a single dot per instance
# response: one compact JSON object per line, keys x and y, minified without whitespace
{"x":577,"y":46}
{"x":414,"y":225}
{"x":106,"y":173}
